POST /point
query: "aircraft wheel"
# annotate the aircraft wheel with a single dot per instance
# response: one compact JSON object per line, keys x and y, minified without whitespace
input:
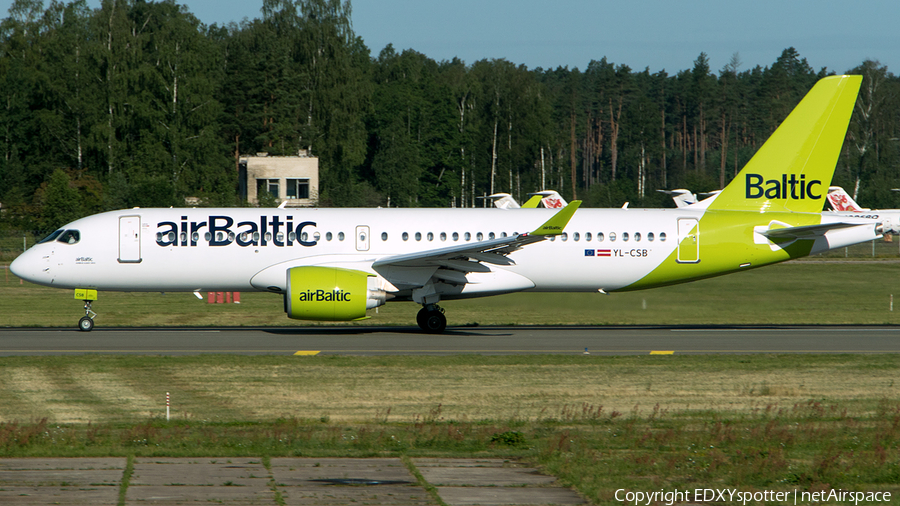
{"x":420,"y":318}
{"x":86,"y":324}
{"x":434,"y":322}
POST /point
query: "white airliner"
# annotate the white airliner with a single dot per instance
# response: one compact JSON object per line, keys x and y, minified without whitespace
{"x":843,"y":204}
{"x":334,"y":264}
{"x":685,"y":198}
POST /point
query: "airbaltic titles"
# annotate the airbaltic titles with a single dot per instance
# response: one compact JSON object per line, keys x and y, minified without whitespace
{"x":776,"y":189}
{"x":248,"y":233}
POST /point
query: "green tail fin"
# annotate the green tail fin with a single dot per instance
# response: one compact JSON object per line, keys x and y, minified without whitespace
{"x":793,"y":169}
{"x":532,"y":203}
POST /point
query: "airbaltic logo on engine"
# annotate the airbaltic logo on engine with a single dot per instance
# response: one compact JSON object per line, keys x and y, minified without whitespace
{"x":323,"y":296}
{"x":789,"y":187}
{"x":221,"y":231}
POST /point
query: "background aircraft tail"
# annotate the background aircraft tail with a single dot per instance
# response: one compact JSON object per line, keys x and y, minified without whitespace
{"x":551,"y":199}
{"x":840,"y":201}
{"x":793,"y":169}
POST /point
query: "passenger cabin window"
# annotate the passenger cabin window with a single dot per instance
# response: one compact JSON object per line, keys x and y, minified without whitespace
{"x":576,"y":236}
{"x":340,"y":236}
{"x":624,"y":236}
{"x":637,"y":236}
{"x":599,"y":236}
{"x":662,"y":236}
{"x":650,"y":236}
{"x":384,"y":236}
{"x":587,"y":236}
{"x":455,"y":236}
{"x":612,"y":236}
{"x":405,"y":236}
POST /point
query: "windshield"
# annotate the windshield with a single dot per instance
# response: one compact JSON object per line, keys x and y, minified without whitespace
{"x":50,"y":237}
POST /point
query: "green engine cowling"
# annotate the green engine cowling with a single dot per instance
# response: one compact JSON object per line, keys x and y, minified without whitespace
{"x":330,"y":294}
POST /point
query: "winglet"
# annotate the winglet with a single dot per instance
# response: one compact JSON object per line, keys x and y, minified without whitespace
{"x":556,"y":224}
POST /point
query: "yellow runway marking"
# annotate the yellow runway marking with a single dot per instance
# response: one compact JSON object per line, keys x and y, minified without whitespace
{"x":662,"y":352}
{"x":307,"y":353}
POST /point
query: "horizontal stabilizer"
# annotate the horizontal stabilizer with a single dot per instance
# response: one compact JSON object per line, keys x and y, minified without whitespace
{"x":806,"y":231}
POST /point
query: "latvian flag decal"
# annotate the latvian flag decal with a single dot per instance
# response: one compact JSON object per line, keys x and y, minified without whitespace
{"x":599,"y":253}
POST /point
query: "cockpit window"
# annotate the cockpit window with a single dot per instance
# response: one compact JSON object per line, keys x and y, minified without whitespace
{"x":51,"y":237}
{"x":69,"y":237}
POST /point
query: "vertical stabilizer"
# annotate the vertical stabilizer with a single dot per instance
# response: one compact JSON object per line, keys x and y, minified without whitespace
{"x":793,"y":169}
{"x":840,"y":201}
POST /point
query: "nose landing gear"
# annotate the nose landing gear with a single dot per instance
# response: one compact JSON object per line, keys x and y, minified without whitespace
{"x":86,"y":323}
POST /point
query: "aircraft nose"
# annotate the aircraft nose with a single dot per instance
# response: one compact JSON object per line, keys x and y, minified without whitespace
{"x":26,"y":266}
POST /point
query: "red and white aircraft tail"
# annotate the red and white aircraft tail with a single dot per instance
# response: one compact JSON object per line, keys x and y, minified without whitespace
{"x":840,"y":201}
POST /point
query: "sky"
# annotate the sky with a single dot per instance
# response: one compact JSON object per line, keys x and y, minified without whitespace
{"x":656,"y":34}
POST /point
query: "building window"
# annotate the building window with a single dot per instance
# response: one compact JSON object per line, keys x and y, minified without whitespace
{"x":266,"y":185}
{"x":297,"y":188}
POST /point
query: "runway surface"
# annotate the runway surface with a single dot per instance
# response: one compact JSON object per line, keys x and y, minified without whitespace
{"x":457,"y":340}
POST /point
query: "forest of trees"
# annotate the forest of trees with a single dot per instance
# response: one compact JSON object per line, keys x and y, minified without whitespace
{"x":137,"y":103}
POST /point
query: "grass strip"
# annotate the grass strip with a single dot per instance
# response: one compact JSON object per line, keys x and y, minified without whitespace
{"x":431,"y":489}
{"x":400,"y":389}
{"x":126,"y":479}
{"x":276,"y":494}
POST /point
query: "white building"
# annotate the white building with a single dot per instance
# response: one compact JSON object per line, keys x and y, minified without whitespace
{"x":294,"y":179}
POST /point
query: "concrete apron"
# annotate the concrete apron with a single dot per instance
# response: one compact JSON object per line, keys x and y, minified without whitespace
{"x":292,"y":481}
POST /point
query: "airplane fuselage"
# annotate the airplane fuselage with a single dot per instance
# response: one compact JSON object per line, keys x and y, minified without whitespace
{"x":237,"y":249}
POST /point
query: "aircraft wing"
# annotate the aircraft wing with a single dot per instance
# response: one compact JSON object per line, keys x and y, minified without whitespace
{"x":451,"y":264}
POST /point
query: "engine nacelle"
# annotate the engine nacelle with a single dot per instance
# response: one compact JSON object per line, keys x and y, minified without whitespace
{"x":330,"y":294}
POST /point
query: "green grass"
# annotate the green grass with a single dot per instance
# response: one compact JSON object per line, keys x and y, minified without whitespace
{"x":807,"y":292}
{"x":816,"y":422}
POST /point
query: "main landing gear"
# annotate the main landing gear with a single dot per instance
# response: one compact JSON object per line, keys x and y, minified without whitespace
{"x":431,"y":319}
